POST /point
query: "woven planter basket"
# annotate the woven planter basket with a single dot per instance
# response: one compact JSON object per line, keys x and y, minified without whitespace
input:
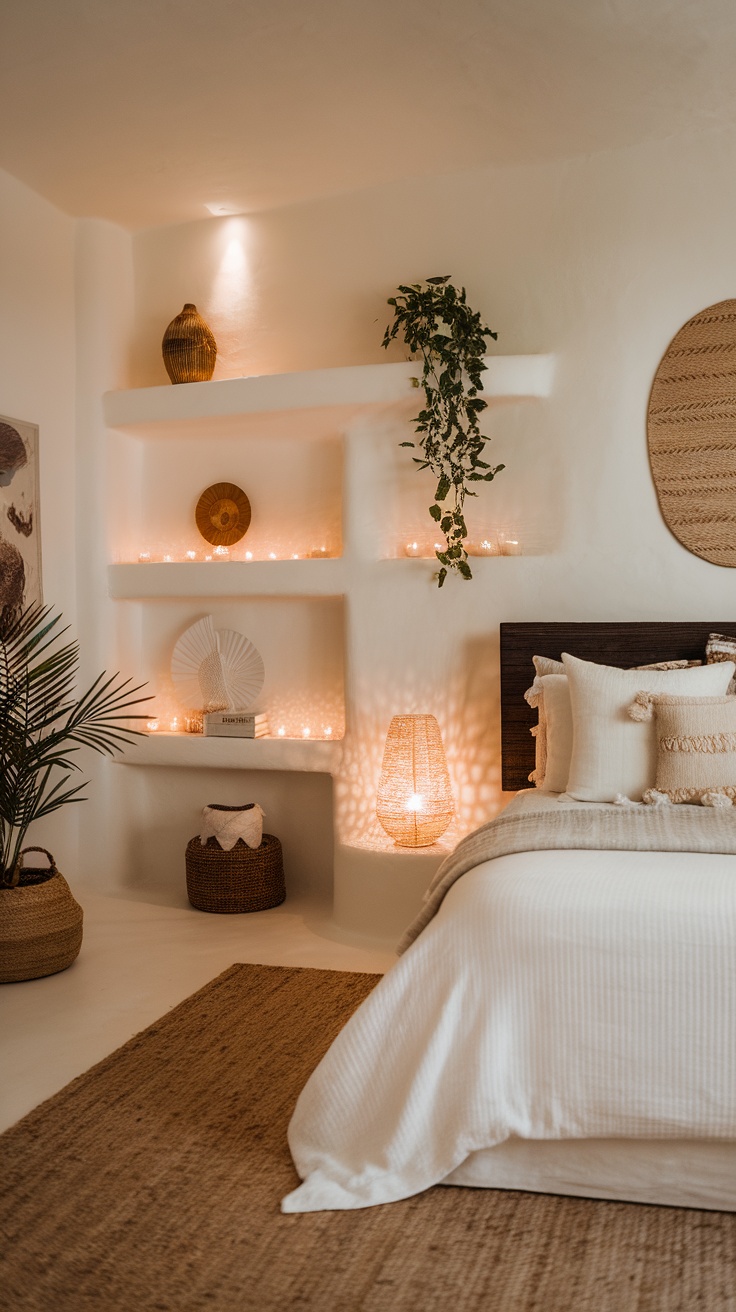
{"x":40,"y":923}
{"x":243,"y":879}
{"x":189,"y":348}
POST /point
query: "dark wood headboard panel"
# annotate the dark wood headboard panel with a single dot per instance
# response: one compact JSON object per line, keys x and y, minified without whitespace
{"x":611,"y":644}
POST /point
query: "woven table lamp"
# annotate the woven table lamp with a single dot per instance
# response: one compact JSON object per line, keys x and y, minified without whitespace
{"x":414,"y":803}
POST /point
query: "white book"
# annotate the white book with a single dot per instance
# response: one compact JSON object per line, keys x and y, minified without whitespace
{"x":235,"y":724}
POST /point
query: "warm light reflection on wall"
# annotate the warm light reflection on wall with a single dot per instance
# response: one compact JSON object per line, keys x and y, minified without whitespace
{"x":230,"y":305}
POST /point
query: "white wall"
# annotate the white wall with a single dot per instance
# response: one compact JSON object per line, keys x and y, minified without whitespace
{"x":599,"y":259}
{"x":37,"y":383}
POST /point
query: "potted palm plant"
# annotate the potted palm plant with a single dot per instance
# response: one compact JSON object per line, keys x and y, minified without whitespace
{"x":43,"y":723}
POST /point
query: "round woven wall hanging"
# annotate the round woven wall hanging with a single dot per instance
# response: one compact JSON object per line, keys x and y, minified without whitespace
{"x":691,"y":430}
{"x":223,"y":514}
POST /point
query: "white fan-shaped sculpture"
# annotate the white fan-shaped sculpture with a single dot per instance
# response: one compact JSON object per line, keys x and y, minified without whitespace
{"x":216,"y":669}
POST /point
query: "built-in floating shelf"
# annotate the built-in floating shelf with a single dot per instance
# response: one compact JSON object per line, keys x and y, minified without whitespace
{"x":200,"y":753}
{"x":232,"y":578}
{"x":336,"y":396}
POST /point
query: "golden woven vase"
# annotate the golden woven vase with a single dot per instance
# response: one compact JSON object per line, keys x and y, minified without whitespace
{"x":189,"y":348}
{"x":414,"y":802}
{"x":40,"y":924}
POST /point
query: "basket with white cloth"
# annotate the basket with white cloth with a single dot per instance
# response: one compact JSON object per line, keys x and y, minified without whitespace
{"x":231,"y":865}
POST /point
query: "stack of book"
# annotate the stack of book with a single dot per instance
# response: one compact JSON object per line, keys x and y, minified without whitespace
{"x":235,"y":724}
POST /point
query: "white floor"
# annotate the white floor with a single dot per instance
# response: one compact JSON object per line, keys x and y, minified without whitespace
{"x":138,"y":961}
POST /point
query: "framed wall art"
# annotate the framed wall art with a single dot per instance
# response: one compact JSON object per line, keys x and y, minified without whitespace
{"x":20,"y":528}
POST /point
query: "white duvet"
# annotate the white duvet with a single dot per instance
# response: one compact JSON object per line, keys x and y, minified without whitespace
{"x":555,"y":995}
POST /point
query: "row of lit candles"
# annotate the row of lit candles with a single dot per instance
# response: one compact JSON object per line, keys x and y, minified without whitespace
{"x":177,"y":724}
{"x":224,"y":553}
{"x":496,"y":546}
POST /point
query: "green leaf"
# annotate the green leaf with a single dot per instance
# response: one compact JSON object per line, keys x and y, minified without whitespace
{"x":435,"y":512}
{"x":441,"y":577}
{"x":443,"y":487}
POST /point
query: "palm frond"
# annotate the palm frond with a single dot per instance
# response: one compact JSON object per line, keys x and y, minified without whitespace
{"x":43,"y":723}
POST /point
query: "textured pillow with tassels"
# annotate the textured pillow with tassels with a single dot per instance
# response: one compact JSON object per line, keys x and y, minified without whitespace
{"x":696,"y":747}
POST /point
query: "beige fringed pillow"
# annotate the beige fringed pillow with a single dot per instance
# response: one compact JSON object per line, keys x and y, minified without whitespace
{"x":696,"y":747}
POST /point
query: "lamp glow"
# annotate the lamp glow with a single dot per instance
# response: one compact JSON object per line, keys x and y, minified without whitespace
{"x":414,"y":803}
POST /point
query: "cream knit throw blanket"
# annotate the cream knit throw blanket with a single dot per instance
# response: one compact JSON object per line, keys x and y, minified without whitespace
{"x":537,"y":822}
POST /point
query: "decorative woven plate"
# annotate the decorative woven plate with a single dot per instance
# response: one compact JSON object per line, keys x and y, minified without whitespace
{"x":216,"y":669}
{"x":223,"y":514}
{"x":691,"y":428}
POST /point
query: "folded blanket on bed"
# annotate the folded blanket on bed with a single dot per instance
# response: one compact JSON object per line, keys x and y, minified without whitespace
{"x":536,"y":822}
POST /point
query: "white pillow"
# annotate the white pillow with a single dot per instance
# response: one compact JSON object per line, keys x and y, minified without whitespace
{"x":555,"y":702}
{"x":612,"y":753}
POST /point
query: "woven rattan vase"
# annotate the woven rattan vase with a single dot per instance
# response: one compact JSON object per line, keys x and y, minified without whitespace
{"x":243,"y":879}
{"x":40,"y":923}
{"x":189,"y":348}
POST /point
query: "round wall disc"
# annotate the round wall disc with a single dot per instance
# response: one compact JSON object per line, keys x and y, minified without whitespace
{"x":691,"y":427}
{"x":223,"y":514}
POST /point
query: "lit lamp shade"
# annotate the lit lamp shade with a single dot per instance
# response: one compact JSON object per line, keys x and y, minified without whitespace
{"x":414,"y":803}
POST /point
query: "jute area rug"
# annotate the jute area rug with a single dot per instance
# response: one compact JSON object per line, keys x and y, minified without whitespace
{"x":152,"y":1184}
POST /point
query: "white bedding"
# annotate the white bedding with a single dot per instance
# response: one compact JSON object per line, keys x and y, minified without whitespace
{"x":555,"y":995}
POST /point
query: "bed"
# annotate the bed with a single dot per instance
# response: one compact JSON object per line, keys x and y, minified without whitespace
{"x":563,"y":1019}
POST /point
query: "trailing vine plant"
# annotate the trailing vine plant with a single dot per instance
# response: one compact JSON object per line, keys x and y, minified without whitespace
{"x":438,"y":325}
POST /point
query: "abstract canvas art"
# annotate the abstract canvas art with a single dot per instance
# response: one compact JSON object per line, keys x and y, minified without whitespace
{"x":20,"y":530}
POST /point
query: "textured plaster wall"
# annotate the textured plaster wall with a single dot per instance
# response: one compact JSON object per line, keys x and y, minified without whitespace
{"x":598,"y":259}
{"x":37,"y":383}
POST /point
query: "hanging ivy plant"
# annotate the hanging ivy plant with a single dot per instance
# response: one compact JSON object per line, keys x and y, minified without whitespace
{"x":438,"y":325}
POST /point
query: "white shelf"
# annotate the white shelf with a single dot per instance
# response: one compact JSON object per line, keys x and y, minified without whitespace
{"x":334,"y":396}
{"x":200,"y":753}
{"x":232,"y":578}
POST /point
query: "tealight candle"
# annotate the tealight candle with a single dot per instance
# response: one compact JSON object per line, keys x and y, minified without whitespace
{"x":510,"y":546}
{"x":221,"y":553}
{"x":249,"y":555}
{"x":208,"y":558}
{"x":281,"y":731}
{"x":488,"y":546}
{"x":152,"y":725}
{"x":190,"y":555}
{"x":295,"y":556}
{"x":174,"y":725}
{"x":327,"y":731}
{"x":412,"y":549}
{"x":168,"y":560}
{"x":272,"y":555}
{"x":306,"y":731}
{"x":144,"y":556}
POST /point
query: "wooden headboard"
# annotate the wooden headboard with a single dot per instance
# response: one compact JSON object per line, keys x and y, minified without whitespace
{"x":611,"y":644}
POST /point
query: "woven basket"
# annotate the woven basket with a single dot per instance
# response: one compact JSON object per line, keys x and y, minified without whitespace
{"x":40,"y":923}
{"x":243,"y":879}
{"x":189,"y":348}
